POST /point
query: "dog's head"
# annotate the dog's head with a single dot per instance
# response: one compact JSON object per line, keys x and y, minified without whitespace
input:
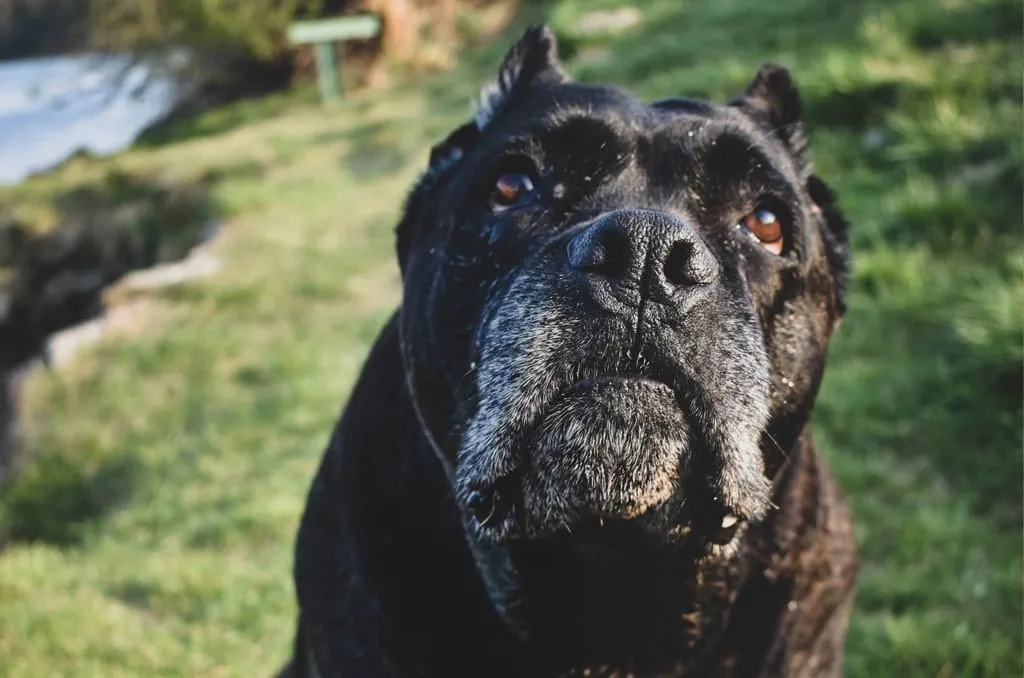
{"x":617,"y":311}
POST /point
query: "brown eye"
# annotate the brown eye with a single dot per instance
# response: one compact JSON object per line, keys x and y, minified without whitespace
{"x":508,"y":190}
{"x":766,"y":227}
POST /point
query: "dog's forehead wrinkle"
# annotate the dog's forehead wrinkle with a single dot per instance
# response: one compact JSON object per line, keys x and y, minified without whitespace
{"x":762,"y":140}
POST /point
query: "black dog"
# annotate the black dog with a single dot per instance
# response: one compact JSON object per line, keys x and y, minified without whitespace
{"x":580,"y":447}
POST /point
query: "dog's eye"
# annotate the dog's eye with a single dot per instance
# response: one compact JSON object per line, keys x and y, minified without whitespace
{"x":509,"y":189}
{"x":765,"y":226}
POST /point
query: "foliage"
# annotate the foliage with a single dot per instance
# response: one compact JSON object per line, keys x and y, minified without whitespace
{"x":253,"y":27}
{"x":30,"y":28}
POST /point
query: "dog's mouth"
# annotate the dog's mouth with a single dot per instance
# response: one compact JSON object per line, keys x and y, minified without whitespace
{"x":606,"y":450}
{"x":616,"y":381}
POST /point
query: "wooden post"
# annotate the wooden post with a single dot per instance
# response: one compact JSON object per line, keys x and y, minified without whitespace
{"x":325,"y":34}
{"x":327,"y":73}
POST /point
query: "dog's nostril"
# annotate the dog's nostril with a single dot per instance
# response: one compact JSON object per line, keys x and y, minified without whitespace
{"x":605,"y":251}
{"x":483,"y":504}
{"x":678,"y":265}
{"x":616,"y":246}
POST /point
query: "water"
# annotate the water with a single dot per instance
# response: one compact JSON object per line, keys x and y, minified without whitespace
{"x":52,"y":107}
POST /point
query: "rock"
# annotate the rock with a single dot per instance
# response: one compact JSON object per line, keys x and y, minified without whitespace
{"x":12,"y":240}
{"x":8,"y":420}
{"x":5,"y":305}
{"x":53,"y":284}
{"x":199,"y":264}
{"x":62,"y":346}
{"x":10,"y":435}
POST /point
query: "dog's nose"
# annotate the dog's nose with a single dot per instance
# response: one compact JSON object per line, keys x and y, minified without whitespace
{"x":643,"y":250}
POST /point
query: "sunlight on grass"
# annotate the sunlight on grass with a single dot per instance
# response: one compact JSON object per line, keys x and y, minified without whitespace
{"x":152,"y":532}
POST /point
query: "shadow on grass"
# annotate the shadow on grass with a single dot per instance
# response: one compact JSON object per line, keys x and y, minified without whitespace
{"x":857,"y":108}
{"x":931,"y":393}
{"x":100,"y":231}
{"x":63,"y":492}
{"x":975,"y":23}
{"x":56,"y":279}
{"x":226,"y":118}
{"x":374,"y":150}
{"x":57,"y":500}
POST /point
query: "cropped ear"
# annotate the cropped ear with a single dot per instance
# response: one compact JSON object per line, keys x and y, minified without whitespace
{"x":834,"y":234}
{"x":532,"y":61}
{"x":451,"y":150}
{"x":772,"y":98}
{"x":443,"y":157}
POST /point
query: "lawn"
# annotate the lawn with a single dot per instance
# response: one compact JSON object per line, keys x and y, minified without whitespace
{"x":151,"y":532}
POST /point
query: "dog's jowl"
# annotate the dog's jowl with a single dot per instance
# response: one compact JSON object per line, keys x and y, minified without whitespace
{"x":581,"y":447}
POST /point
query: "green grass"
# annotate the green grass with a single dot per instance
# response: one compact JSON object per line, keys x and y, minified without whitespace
{"x":152,"y":532}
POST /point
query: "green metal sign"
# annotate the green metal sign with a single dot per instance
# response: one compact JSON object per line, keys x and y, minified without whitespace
{"x":325,"y":34}
{"x":334,"y":30}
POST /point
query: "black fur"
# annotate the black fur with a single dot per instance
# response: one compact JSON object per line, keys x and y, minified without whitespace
{"x":580,"y":446}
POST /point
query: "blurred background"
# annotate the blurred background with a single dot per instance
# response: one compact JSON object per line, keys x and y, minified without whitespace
{"x":196,"y":254}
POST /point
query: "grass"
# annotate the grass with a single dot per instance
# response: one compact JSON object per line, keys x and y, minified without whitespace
{"x":151,"y":533}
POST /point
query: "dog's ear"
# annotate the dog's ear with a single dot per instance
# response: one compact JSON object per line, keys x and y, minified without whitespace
{"x":532,"y":61}
{"x":450,"y":151}
{"x":772,"y":99}
{"x":443,"y":157}
{"x":834,"y":234}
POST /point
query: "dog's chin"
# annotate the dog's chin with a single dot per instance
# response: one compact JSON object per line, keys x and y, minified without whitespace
{"x":610,"y":448}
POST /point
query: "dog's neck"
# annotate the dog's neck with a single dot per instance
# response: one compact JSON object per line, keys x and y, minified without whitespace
{"x":411,"y":584}
{"x":616,"y":602}
{"x":627,"y":603}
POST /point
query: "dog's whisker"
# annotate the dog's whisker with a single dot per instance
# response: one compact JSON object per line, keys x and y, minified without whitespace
{"x":778,"y":447}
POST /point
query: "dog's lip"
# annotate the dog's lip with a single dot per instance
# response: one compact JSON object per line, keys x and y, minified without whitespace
{"x":499,"y":522}
{"x":494,"y":503}
{"x":588,"y":383}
